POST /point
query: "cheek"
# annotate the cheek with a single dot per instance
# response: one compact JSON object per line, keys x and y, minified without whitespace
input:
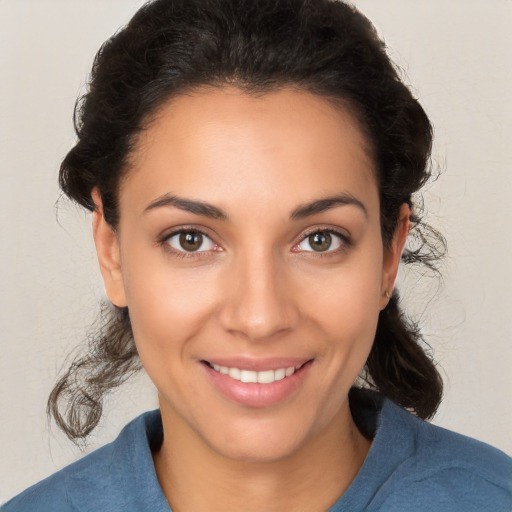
{"x":344,"y":309}
{"x":349,"y":296}
{"x":167,"y":305}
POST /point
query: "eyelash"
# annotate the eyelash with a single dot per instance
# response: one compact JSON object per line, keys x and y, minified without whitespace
{"x":345,"y":243}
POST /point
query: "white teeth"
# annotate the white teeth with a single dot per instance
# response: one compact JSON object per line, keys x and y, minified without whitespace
{"x":263,"y":377}
{"x":234,"y":373}
{"x":248,"y":376}
{"x":266,"y":377}
{"x":280,"y":374}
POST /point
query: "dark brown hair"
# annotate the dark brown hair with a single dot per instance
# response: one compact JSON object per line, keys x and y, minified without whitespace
{"x":325,"y":47}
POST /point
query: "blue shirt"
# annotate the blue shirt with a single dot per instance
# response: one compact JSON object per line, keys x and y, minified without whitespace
{"x":412,"y":465}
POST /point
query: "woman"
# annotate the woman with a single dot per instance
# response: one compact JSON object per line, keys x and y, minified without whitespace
{"x":250,"y":168}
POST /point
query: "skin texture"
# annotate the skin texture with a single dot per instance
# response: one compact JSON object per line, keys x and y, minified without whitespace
{"x":255,"y":291}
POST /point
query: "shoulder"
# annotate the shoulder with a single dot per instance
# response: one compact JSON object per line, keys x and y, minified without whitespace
{"x":98,"y":481}
{"x":445,"y":470}
{"x":59,"y":491}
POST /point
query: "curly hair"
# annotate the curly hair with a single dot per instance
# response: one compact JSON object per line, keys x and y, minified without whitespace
{"x":325,"y":47}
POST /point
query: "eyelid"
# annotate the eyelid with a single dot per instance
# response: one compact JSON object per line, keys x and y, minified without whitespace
{"x":185,"y":228}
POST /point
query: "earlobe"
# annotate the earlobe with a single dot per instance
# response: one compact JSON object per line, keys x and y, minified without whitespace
{"x":108,"y":252}
{"x":393,"y":254}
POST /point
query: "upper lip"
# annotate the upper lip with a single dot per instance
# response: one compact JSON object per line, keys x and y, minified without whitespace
{"x":258,"y":364}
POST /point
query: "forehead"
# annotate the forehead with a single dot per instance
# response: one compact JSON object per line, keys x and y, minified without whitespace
{"x":223,"y":144}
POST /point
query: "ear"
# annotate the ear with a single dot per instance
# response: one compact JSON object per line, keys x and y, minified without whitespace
{"x":393,"y":253}
{"x":109,"y":254}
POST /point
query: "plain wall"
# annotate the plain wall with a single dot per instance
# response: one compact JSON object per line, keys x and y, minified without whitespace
{"x":456,"y":54}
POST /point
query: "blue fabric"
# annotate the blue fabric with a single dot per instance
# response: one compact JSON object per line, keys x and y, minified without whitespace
{"x":412,"y":465}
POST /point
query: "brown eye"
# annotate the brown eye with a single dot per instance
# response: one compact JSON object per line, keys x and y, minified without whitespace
{"x":190,"y":241}
{"x":320,"y":241}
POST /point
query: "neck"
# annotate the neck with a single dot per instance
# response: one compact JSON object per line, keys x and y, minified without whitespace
{"x":196,"y":478}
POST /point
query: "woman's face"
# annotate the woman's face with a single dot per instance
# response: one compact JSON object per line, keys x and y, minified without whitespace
{"x":249,"y":249}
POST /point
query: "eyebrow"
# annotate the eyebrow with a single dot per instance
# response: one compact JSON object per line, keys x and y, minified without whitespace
{"x":213,"y":212}
{"x":188,"y":205}
{"x":322,"y":205}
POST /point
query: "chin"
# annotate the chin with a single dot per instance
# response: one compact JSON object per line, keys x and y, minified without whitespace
{"x":262,"y":440}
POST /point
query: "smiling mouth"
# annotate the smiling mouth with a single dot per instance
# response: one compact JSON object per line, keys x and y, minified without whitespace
{"x":250,"y":376}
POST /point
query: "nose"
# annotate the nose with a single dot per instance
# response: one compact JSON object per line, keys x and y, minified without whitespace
{"x":259,"y":302}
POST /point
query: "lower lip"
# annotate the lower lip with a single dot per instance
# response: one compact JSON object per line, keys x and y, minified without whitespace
{"x":252,"y":394}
